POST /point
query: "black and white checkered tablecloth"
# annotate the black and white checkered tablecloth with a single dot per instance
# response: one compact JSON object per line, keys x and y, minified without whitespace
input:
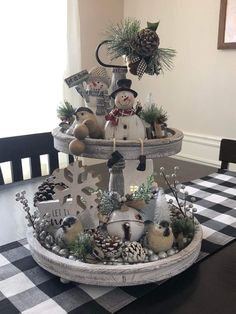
{"x":27,"y":288}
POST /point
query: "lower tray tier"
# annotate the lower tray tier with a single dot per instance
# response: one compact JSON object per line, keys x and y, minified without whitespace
{"x":115,"y":275}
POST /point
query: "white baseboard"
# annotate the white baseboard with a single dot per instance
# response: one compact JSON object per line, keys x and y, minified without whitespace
{"x":199,"y":148}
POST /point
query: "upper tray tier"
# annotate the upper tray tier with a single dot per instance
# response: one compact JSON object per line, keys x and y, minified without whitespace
{"x":102,"y":149}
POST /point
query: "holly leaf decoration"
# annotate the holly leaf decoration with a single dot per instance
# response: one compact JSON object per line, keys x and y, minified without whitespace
{"x":153,"y":26}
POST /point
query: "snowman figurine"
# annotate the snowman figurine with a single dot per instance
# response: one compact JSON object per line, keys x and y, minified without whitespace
{"x":95,"y":93}
{"x":122,"y":122}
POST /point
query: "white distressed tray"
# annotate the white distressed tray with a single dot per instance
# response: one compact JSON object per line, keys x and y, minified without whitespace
{"x":115,"y":275}
{"x":102,"y":149}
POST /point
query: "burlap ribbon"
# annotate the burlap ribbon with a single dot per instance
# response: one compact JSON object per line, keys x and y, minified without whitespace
{"x":136,"y":204}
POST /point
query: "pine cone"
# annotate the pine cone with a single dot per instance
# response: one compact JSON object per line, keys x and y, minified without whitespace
{"x":46,"y":190}
{"x":146,"y":42}
{"x":133,"y":252}
{"x":110,"y":246}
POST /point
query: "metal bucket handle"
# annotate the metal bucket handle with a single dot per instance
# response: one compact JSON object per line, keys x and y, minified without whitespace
{"x":102,"y":63}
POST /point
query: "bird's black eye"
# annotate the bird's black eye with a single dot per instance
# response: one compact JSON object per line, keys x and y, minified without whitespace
{"x":159,"y":227}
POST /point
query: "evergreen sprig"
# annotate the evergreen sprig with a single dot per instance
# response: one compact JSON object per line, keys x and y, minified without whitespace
{"x":165,"y":57}
{"x":120,"y":37}
{"x":184,"y":225}
{"x":65,"y":111}
{"x":108,"y":201}
{"x":83,"y":246}
{"x":154,"y":114}
{"x":144,"y":191}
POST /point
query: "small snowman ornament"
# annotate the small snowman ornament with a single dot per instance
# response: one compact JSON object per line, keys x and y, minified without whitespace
{"x":122,"y":122}
{"x":96,"y":93}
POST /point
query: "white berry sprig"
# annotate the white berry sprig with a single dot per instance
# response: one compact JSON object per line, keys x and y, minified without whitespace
{"x":20,"y":197}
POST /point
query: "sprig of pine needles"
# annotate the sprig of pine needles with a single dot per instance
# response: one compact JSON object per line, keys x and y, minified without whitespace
{"x":165,"y":57}
{"x":108,"y":202}
{"x":120,"y":37}
{"x":153,"y":114}
{"x":83,"y":246}
{"x":144,"y":191}
{"x":65,"y":111}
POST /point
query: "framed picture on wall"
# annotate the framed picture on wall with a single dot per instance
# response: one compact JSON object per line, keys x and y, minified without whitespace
{"x":227,"y":25}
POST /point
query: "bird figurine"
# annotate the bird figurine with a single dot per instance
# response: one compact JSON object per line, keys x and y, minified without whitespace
{"x":68,"y":232}
{"x":87,"y":125}
{"x":159,"y":236}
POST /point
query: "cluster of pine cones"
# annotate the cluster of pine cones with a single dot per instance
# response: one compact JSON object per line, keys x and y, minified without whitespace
{"x":113,"y":247}
{"x":46,"y":190}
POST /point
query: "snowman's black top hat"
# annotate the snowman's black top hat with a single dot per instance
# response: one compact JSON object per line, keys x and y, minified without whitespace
{"x":123,"y":85}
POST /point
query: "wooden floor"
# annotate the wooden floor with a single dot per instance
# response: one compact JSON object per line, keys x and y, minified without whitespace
{"x":13,"y":223}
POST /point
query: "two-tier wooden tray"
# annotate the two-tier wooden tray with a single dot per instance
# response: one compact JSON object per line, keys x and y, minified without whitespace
{"x":118,"y":275}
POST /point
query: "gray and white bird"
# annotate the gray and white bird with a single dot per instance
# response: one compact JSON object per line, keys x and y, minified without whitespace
{"x":68,"y":232}
{"x":159,"y":236}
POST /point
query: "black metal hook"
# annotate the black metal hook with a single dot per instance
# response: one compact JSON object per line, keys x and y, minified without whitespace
{"x":102,"y":63}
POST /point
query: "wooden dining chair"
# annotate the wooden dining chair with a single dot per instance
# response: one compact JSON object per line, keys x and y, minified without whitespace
{"x":31,"y":146}
{"x":227,"y":152}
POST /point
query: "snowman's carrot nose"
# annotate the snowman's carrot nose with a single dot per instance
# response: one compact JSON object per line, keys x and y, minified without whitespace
{"x":127,"y":97}
{"x":94,"y":83}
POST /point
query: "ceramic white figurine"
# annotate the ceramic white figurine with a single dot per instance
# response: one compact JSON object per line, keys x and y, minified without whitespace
{"x":122,"y":122}
{"x":96,"y":93}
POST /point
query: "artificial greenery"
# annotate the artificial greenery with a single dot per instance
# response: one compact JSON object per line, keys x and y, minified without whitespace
{"x":65,"y":111}
{"x":122,"y":41}
{"x":120,"y":37}
{"x":154,"y":114}
{"x":83,"y":246}
{"x":108,"y":201}
{"x":165,"y":56}
{"x":184,"y":225}
{"x":144,"y":191}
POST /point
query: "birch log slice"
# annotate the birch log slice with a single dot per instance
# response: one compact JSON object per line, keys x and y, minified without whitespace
{"x":115,"y":275}
{"x":102,"y":149}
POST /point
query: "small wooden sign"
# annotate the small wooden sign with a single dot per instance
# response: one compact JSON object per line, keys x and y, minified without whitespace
{"x":77,"y":78}
{"x":56,"y":211}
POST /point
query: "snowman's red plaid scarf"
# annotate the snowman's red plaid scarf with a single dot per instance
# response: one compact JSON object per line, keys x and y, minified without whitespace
{"x":114,"y":115}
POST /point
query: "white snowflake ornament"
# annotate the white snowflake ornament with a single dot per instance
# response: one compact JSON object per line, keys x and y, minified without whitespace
{"x":78,"y":199}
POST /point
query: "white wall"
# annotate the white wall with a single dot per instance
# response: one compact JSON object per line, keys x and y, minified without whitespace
{"x":95,"y":17}
{"x":87,"y":22}
{"x":199,"y":94}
